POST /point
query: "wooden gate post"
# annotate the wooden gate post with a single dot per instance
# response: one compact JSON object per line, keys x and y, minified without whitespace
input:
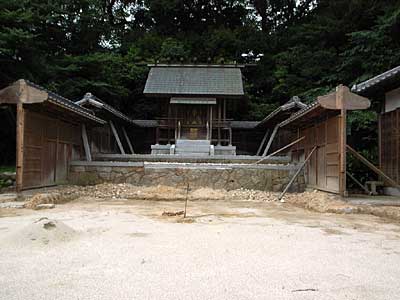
{"x":86,"y":143}
{"x":271,"y":138}
{"x":129,"y":141}
{"x":20,"y":146}
{"x":264,"y":139}
{"x":340,"y":92}
{"x":116,"y":136}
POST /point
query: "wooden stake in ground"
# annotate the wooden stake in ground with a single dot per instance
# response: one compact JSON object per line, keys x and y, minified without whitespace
{"x":366,"y":162}
{"x":358,"y":183}
{"x":297,"y":173}
{"x":186,"y":200}
{"x":281,"y":149}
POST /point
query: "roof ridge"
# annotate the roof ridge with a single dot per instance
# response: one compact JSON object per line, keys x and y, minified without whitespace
{"x":67,"y":103}
{"x":375,"y":80}
{"x":204,"y":65}
{"x":90,"y":97}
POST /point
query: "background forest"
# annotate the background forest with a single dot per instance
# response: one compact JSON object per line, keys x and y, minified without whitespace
{"x":300,"y":47}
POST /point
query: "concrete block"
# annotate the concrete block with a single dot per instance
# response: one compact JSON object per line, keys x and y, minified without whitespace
{"x":45,"y":206}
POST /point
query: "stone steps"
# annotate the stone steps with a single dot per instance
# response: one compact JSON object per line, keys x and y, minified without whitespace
{"x":192,"y":147}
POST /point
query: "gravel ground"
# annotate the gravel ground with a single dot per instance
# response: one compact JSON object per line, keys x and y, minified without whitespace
{"x":125,"y":249}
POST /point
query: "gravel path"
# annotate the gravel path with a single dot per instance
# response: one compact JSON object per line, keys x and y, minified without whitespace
{"x":232,"y":250}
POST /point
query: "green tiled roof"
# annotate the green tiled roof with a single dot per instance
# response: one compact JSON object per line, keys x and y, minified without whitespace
{"x":207,"y":80}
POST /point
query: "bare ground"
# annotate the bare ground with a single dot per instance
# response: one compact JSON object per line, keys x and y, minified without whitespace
{"x":311,"y":200}
{"x":118,"y":247}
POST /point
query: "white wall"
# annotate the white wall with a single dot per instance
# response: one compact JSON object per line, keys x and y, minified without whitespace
{"x":392,"y":100}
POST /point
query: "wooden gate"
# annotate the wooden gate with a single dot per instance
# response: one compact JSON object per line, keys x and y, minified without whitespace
{"x":48,"y":149}
{"x":390,"y":144}
{"x":322,"y":172}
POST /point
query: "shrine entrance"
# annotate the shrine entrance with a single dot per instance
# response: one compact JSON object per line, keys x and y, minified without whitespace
{"x":193,"y":121}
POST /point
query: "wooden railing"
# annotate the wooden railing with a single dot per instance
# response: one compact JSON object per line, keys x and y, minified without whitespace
{"x":215,"y":131}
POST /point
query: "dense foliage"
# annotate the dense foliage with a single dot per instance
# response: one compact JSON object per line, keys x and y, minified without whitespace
{"x":300,"y":47}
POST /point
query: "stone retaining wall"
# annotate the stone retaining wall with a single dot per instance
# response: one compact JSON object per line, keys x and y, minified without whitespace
{"x":217,"y":176}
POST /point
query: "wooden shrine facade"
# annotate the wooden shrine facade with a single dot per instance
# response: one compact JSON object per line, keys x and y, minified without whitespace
{"x":51,"y":131}
{"x":194,"y":101}
{"x":384,"y":91}
{"x":194,"y":119}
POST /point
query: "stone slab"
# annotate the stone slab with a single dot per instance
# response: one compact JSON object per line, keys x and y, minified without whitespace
{"x":45,"y":206}
{"x":8,"y":197}
{"x":12,"y":204}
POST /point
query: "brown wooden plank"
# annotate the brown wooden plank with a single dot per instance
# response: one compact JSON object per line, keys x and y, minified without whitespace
{"x":349,"y":101}
{"x":20,"y":147}
{"x":333,"y":130}
{"x":342,"y":141}
{"x":86,"y":143}
{"x":321,"y":167}
{"x":385,"y":177}
{"x":116,"y":136}
{"x":312,"y":168}
{"x":332,"y":183}
{"x":127,"y":140}
{"x":320,"y":131}
{"x":63,"y":158}
{"x":264,"y":139}
{"x":297,"y":173}
{"x":332,"y":170}
{"x":19,"y":92}
{"x":49,"y":166}
{"x":332,"y":159}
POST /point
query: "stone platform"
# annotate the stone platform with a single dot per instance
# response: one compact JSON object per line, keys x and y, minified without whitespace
{"x":223,"y":159}
{"x":228,"y":176}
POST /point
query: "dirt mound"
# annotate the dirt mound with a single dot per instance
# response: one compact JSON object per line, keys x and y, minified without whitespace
{"x":42,"y":232}
{"x":252,"y":195}
{"x":207,"y":194}
{"x":330,"y":203}
{"x":317,"y":201}
{"x":50,"y":198}
{"x":160,"y":192}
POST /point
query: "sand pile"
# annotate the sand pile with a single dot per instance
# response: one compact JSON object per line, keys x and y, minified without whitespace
{"x":127,"y":191}
{"x":317,"y":201}
{"x":161,"y":192}
{"x":42,"y":232}
{"x":331,"y":203}
{"x":207,"y":194}
{"x":51,"y":198}
{"x":252,"y":195}
{"x":169,"y":193}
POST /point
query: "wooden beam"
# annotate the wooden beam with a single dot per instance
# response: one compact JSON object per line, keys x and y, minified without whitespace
{"x":350,"y":101}
{"x":297,"y":173}
{"x":211,"y":123}
{"x":115,"y":133}
{"x":21,"y":92}
{"x":271,"y":138}
{"x":262,"y":142}
{"x":373,"y":167}
{"x":86,"y":143}
{"x":359,"y":183}
{"x":20,"y":147}
{"x":281,"y":149}
{"x":340,"y":94}
{"x":128,"y":140}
